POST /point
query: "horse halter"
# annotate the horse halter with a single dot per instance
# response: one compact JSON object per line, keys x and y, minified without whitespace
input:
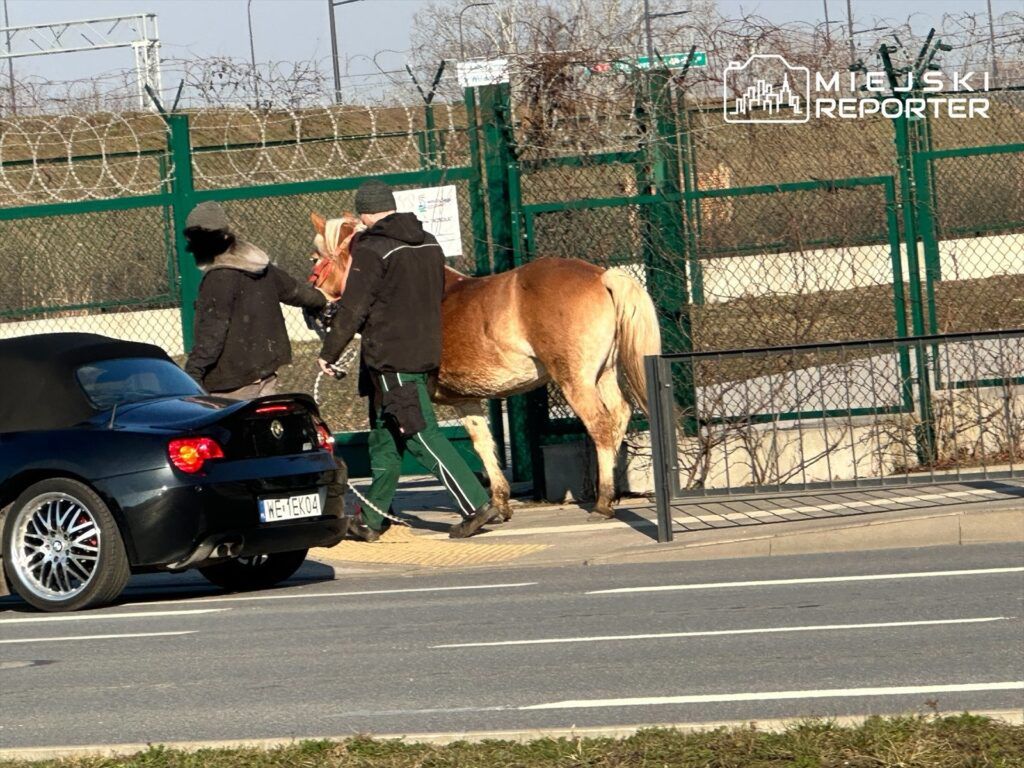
{"x":324,"y":268}
{"x":319,"y":322}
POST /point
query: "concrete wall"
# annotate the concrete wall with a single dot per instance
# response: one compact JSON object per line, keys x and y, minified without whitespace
{"x":974,"y":427}
{"x":840,"y":269}
{"x":154,"y":326}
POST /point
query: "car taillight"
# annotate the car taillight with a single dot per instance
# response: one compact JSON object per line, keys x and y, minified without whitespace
{"x":273,"y":409}
{"x":325,"y":437}
{"x":190,"y":453}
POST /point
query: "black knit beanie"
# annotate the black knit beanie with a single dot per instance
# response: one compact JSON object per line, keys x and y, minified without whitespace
{"x":374,"y":196}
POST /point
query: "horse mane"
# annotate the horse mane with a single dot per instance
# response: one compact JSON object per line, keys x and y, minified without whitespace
{"x":336,"y":231}
{"x":332,"y":244}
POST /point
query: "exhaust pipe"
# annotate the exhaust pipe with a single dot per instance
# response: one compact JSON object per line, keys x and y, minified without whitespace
{"x":227,"y":549}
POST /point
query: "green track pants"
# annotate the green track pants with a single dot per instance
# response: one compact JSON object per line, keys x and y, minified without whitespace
{"x":429,"y":447}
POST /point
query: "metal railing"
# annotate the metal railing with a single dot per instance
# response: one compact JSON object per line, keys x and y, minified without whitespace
{"x":857,"y":414}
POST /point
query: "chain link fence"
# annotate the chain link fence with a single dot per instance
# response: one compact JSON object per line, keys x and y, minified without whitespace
{"x":848,"y":414}
{"x":85,"y":228}
{"x":745,"y":235}
{"x":86,"y":254}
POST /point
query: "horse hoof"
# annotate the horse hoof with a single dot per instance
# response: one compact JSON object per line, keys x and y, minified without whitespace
{"x":504,"y":508}
{"x":602,"y":513}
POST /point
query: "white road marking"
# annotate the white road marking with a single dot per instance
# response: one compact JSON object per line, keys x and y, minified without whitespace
{"x":204,"y":600}
{"x":105,"y":616}
{"x":92,"y":637}
{"x":822,"y":580}
{"x":721,"y":632}
{"x":759,"y":696}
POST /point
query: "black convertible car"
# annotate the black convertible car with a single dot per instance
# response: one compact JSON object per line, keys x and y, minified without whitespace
{"x":113,"y":461}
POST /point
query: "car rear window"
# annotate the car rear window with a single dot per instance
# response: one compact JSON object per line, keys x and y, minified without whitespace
{"x":130,"y":380}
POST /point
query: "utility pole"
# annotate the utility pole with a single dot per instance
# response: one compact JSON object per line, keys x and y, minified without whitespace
{"x":828,"y":27}
{"x":252,"y":54}
{"x":849,"y":26}
{"x":648,"y":33}
{"x":10,"y":61}
{"x":334,"y":53}
{"x":331,"y":4}
{"x":992,"y":45}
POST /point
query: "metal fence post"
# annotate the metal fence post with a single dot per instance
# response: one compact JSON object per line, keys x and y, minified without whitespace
{"x":430,"y":136}
{"x":498,"y":156}
{"x":660,"y":460}
{"x":688,"y":162}
{"x":665,"y":237}
{"x":908,"y":138}
{"x":481,"y":251}
{"x":183,"y":192}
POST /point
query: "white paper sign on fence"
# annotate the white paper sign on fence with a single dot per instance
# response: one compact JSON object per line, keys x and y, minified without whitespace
{"x":438,"y":209}
{"x":482,"y":72}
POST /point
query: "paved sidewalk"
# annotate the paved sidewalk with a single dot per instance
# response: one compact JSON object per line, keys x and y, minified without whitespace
{"x":546,"y":534}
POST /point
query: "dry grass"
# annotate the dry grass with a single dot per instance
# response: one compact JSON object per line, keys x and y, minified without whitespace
{"x":965,"y":741}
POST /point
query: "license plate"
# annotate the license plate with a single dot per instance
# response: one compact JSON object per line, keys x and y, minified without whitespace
{"x":290,"y":508}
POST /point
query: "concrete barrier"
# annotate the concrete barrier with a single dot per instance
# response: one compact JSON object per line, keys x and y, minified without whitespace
{"x":841,"y":269}
{"x":153,"y":326}
{"x":971,"y":425}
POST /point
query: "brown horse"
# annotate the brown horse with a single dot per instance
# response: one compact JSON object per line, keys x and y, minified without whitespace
{"x":583,"y":327}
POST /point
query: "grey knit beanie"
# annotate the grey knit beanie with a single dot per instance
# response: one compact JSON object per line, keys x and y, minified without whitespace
{"x":374,"y":196}
{"x":209,"y":215}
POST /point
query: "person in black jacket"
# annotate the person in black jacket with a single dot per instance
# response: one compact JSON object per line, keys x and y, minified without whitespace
{"x":240,"y":338}
{"x":393,"y":299}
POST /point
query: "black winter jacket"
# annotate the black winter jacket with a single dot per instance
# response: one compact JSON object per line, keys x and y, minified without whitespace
{"x":393,"y":298}
{"x":240,"y":333}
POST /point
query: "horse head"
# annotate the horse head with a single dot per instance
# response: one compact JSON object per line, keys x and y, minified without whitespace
{"x":332,"y":262}
{"x":333,"y":258}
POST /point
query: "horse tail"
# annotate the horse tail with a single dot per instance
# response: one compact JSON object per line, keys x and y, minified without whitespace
{"x":636,"y":333}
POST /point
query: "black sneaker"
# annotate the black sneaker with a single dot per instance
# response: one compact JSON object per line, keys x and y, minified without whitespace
{"x":473,"y":523}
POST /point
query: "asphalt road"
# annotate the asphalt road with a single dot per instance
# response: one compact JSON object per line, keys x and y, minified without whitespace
{"x":537,"y":647}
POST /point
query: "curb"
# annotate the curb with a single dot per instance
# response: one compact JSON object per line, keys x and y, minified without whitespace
{"x":772,"y":725}
{"x":955,"y":527}
{"x":850,"y":534}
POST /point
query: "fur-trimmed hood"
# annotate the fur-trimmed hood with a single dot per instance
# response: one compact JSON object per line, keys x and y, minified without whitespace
{"x":243,"y":256}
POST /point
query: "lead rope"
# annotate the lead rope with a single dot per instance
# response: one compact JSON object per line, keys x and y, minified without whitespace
{"x":340,"y":366}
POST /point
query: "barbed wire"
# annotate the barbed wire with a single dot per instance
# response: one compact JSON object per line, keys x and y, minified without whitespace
{"x":220,"y":81}
{"x":88,"y":138}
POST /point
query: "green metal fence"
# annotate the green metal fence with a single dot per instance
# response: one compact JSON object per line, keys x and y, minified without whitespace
{"x":768,"y":235}
{"x":744,"y":235}
{"x":103,"y":259}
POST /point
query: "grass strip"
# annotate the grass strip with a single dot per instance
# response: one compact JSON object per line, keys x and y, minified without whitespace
{"x":913,"y":741}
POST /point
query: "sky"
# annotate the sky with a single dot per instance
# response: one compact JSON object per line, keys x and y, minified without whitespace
{"x":298,"y":29}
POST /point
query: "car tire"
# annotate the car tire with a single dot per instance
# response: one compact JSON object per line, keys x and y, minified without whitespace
{"x":258,"y":572}
{"x":62,"y":548}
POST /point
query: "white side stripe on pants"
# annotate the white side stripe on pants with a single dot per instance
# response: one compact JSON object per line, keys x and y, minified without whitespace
{"x":446,"y":475}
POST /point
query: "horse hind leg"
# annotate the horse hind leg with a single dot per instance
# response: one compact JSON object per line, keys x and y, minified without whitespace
{"x":474,"y":419}
{"x":605,"y":415}
{"x":610,"y":390}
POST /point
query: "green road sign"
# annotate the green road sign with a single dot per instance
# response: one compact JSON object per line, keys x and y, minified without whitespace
{"x":671,"y":60}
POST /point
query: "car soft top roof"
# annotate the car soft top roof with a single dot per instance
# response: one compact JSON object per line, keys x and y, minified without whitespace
{"x":38,"y":388}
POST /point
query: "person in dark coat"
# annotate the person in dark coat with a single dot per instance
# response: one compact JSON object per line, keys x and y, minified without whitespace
{"x":393,"y":299}
{"x":240,"y":338}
